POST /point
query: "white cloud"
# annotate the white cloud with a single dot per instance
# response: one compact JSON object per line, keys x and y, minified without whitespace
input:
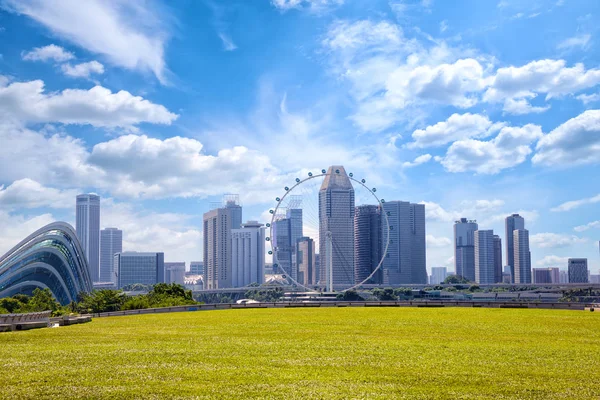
{"x":456,"y":127}
{"x":14,"y":228}
{"x":27,"y":193}
{"x":83,"y":70}
{"x":570,"y":205}
{"x":98,"y":106}
{"x":583,"y":228}
{"x":550,"y":77}
{"x":50,"y":52}
{"x":228,"y":44}
{"x":470,"y":209}
{"x":589,"y":98}
{"x":554,"y":240}
{"x":553,"y":261}
{"x":312,"y":5}
{"x":575,"y":142}
{"x":437,"y":242}
{"x":521,"y":107}
{"x":510,"y":148}
{"x":443,"y":26}
{"x":422,"y":159}
{"x":127,"y":34}
{"x":580,"y":41}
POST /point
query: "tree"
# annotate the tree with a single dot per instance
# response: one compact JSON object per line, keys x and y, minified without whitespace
{"x":11,"y":305}
{"x":386,"y":294}
{"x":455,"y":279}
{"x":42,"y":300}
{"x":349,"y":295}
{"x":104,"y":300}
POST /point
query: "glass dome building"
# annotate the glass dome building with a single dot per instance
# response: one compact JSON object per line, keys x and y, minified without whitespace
{"x":52,"y":258}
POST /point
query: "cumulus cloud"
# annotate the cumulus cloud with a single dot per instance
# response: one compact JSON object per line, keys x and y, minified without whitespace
{"x":438,"y":242}
{"x":14,"y":228}
{"x":590,"y":225}
{"x":83,"y":70}
{"x":574,"y":142}
{"x":521,"y":107}
{"x":27,"y":193}
{"x":553,"y":261}
{"x":456,"y":127}
{"x":422,"y":159}
{"x":98,"y":106}
{"x":50,"y":52}
{"x":554,"y":240}
{"x":128,"y":34}
{"x":510,"y":148}
{"x":312,"y":5}
{"x":570,"y":205}
{"x":468,"y":209}
{"x":588,"y":98}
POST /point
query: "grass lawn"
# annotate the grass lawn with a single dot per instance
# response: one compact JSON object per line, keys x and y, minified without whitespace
{"x":387,"y":353}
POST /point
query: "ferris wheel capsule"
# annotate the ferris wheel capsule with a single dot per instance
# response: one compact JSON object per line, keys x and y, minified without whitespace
{"x":297,"y":179}
{"x":277,"y":199}
{"x":350,"y":174}
{"x":363,"y":181}
{"x":271,"y":211}
{"x":323,"y":171}
{"x":310,"y":174}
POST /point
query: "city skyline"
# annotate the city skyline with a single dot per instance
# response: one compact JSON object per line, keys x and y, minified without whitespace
{"x":159,"y":137}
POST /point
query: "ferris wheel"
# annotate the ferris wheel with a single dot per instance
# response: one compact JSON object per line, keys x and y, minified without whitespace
{"x":329,"y":230}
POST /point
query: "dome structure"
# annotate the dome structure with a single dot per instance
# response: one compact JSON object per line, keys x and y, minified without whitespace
{"x":52,"y":258}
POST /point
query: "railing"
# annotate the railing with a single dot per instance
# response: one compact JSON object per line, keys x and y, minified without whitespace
{"x":426,"y":303}
{"x":43,"y":316}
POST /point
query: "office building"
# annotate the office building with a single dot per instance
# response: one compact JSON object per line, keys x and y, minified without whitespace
{"x":145,"y":268}
{"x":438,"y":275}
{"x":554,"y":275}
{"x":512,"y":223}
{"x":197,"y":268}
{"x":336,"y":216}
{"x":286,"y":231}
{"x":111,"y":243}
{"x":464,"y":248}
{"x":485,"y":266}
{"x":306,"y":261}
{"x":542,"y":275}
{"x":564,"y":277}
{"x":522,"y":256}
{"x":217,"y":226}
{"x":405,"y":261}
{"x":87,"y":226}
{"x":232,"y":203}
{"x":248,"y":254}
{"x":367,"y":243}
{"x":578,"y":270}
{"x":175,"y":272}
{"x":497,"y":259}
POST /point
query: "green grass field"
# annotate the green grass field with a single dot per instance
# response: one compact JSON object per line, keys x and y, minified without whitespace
{"x":412,"y":353}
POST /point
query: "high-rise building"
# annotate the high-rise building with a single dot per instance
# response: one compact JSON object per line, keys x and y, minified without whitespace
{"x":497,"y":259}
{"x":232,"y":203}
{"x":438,"y":275}
{"x":522,"y":256}
{"x":405,"y":261}
{"x":248,"y":254}
{"x":197,"y":268}
{"x":542,"y":275}
{"x":512,"y":223}
{"x":87,"y":226}
{"x":336,"y":216}
{"x":578,"y":270}
{"x":564,"y":277}
{"x":485,"y":265}
{"x":367,"y":243}
{"x":306,"y":260}
{"x":217,"y":245}
{"x":111,"y":243}
{"x":175,"y":272}
{"x":287,"y":230}
{"x":554,"y":275}
{"x":464,"y":248}
{"x":145,"y":268}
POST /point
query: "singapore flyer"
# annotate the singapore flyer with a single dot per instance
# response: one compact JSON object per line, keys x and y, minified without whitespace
{"x":329,"y":231}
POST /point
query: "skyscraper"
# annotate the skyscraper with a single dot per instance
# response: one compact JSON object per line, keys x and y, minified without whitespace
{"x":405,"y":261}
{"x":578,"y":270}
{"x":217,"y":225}
{"x":248,"y":254}
{"x":111,"y":243}
{"x":367,"y":243}
{"x":336,"y":215}
{"x":497,"y":259}
{"x":197,"y":268}
{"x":512,"y":223}
{"x":438,"y":275}
{"x":175,"y":272}
{"x":306,"y":261}
{"x":282,"y":247}
{"x":87,"y":226}
{"x":485,"y":265}
{"x":522,"y":256}
{"x":464,"y":248}
{"x":145,"y":268}
{"x":542,"y":275}
{"x":232,"y":202}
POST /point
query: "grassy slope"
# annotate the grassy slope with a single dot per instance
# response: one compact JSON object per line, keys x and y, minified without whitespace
{"x":311,"y":353}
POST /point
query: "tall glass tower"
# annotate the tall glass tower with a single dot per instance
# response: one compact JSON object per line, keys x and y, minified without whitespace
{"x":336,"y":215}
{"x":513,"y":222}
{"x":111,"y":243}
{"x":87,"y":226}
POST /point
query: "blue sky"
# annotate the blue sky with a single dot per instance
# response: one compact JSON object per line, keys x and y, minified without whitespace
{"x":476,"y":108}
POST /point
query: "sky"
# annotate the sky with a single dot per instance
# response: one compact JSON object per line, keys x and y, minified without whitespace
{"x":476,"y":108}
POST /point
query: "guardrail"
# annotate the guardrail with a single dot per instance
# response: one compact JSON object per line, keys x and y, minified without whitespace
{"x":22,"y":322}
{"x":229,"y":306}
